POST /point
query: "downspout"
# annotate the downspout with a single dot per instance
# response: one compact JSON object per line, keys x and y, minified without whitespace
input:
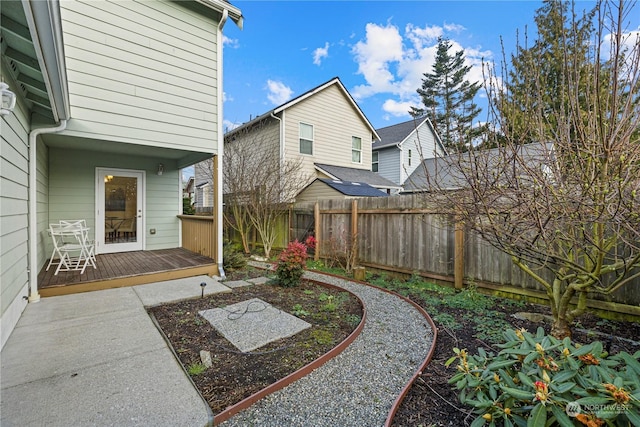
{"x":34,"y":296}
{"x":219,"y":199}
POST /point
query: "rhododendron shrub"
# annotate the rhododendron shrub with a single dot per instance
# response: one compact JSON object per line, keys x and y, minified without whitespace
{"x":538,"y":380}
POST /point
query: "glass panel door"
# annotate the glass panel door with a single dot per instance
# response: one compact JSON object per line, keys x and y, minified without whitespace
{"x":119,"y":210}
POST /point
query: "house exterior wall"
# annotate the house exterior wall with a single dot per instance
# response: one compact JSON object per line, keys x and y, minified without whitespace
{"x":72,"y":193}
{"x":318,"y":191}
{"x":335,"y":121}
{"x":389,"y":163}
{"x":423,"y":145}
{"x":14,"y":196}
{"x":142,"y":72}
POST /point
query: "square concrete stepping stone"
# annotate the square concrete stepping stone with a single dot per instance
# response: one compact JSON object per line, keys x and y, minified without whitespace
{"x":237,"y":283}
{"x":251,"y":324}
{"x":259,"y":280}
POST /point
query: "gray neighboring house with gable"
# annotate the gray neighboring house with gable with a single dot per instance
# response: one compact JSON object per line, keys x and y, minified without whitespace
{"x":402,"y":148}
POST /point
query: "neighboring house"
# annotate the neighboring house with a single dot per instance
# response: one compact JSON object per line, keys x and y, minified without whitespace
{"x":402,"y":147}
{"x":446,"y":173}
{"x":113,"y":99}
{"x":322,"y":127}
{"x":323,"y":188}
{"x":188,"y":192}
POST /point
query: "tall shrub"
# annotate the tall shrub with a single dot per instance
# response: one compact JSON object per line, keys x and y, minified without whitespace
{"x":291,"y":264}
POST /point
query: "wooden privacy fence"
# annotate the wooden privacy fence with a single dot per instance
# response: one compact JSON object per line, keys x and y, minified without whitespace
{"x":400,"y":234}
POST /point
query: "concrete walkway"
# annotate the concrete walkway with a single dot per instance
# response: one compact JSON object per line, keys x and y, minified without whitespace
{"x":96,"y":359}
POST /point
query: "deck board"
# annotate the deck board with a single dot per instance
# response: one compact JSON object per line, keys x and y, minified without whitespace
{"x":126,"y":269}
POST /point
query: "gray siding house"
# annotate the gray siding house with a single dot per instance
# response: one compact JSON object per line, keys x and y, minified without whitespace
{"x":402,"y":148}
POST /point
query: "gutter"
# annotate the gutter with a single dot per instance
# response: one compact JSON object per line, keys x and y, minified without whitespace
{"x":34,"y":296}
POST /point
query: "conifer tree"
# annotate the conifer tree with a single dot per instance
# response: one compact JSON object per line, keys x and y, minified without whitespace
{"x":448,"y":99}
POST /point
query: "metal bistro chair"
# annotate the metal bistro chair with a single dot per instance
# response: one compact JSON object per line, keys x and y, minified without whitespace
{"x":71,"y":246}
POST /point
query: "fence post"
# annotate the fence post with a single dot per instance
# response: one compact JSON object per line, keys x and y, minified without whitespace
{"x":458,"y":258}
{"x":316,"y":230}
{"x":354,"y":232}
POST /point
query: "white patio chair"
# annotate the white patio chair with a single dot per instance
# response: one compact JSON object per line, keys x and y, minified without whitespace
{"x":89,"y":255}
{"x":71,"y":246}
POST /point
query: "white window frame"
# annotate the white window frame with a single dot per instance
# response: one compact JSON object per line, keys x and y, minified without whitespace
{"x":375,"y":161}
{"x":300,"y":138}
{"x":356,"y":150}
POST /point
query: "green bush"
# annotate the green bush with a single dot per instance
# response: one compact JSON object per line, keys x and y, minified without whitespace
{"x":232,"y":258}
{"x":538,"y":380}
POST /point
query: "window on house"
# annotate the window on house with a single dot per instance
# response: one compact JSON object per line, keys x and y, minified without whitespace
{"x":409,"y":157}
{"x":356,"y":149}
{"x":306,"y":138}
{"x":374,"y":161}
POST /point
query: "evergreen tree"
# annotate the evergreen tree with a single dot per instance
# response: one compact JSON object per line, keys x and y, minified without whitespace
{"x":448,"y":99}
{"x":560,"y":52}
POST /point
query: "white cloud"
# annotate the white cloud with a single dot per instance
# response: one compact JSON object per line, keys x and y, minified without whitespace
{"x":232,"y":43}
{"x":228,"y":125}
{"x":382,"y":48}
{"x":395,"y":63}
{"x":319,"y":53}
{"x":398,"y":109}
{"x":279,"y":93}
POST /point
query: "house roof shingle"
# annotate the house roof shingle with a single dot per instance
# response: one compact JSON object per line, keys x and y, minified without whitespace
{"x":356,"y":175}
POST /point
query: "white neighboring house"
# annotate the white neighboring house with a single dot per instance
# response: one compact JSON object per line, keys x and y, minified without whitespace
{"x":112,"y":100}
{"x":402,"y":148}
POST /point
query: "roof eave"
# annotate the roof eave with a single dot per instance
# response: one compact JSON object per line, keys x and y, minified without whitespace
{"x":45,"y":26}
{"x":220,"y":6}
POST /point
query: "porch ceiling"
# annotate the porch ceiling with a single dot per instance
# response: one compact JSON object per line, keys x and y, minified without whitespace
{"x":19,"y":53}
{"x":183,"y":158}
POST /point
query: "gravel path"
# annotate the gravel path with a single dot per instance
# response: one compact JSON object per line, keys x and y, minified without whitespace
{"x":357,"y":387}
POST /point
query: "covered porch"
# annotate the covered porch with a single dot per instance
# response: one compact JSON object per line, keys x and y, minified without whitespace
{"x":122,"y":269}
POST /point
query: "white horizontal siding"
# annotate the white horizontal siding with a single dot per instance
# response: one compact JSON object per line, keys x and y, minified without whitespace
{"x":335,"y":120}
{"x":130,"y":62}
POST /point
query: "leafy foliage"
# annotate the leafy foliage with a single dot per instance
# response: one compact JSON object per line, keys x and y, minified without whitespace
{"x":538,"y":380}
{"x":291,"y":264}
{"x":233,"y":259}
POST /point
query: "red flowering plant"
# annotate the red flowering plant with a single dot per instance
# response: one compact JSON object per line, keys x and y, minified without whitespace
{"x":291,"y":263}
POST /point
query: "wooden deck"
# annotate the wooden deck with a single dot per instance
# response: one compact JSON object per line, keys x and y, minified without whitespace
{"x":126,"y":269}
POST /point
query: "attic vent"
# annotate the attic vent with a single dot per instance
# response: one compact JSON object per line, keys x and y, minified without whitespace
{"x":13,"y":66}
{"x":355,"y":183}
{"x":24,"y":88}
{"x":337,"y":181}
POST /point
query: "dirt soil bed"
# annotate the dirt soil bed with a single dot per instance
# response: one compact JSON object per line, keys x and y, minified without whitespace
{"x":431,"y":400}
{"x":234,"y":376}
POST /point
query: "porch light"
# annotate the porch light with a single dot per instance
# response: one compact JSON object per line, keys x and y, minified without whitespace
{"x":8,"y":100}
{"x":160,"y":168}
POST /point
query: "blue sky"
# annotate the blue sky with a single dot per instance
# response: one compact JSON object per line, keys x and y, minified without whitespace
{"x":379,"y":49}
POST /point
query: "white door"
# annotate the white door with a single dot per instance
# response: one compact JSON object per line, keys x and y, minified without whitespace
{"x":119,"y":210}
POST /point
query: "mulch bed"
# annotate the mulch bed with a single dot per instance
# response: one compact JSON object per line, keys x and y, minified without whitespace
{"x":234,"y":376}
